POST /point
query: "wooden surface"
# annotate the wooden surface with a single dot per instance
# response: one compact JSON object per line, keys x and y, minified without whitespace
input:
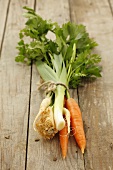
{"x":20,"y":99}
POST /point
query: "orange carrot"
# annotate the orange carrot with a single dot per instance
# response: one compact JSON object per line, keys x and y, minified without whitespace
{"x":76,"y":123}
{"x":63,"y":135}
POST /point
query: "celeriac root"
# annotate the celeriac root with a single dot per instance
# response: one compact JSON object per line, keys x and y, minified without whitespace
{"x":44,"y":104}
{"x":44,"y":123}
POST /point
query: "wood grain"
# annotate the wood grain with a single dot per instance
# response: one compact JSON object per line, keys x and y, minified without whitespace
{"x":43,"y":154}
{"x":14,"y":94}
{"x":96,"y":97}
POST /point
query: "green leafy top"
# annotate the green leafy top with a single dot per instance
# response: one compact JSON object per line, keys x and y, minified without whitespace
{"x":65,"y":59}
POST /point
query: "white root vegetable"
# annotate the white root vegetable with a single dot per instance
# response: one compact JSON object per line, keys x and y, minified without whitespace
{"x":44,"y":121}
{"x":44,"y":104}
{"x":45,"y":124}
{"x":66,"y":112}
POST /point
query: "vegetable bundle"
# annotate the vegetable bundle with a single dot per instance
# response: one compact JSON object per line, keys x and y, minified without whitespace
{"x":62,"y":63}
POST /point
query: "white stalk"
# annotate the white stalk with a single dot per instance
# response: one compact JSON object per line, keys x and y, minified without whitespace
{"x":58,"y":107}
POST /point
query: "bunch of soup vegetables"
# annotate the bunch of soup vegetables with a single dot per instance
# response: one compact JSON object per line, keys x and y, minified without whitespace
{"x":62,"y":63}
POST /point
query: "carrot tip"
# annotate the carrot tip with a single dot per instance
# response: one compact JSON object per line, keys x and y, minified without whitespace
{"x":82,"y":149}
{"x":64,"y":157}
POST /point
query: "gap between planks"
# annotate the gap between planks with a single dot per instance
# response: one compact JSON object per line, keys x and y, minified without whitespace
{"x":110,"y":6}
{"x":28,"y":121}
{"x":8,"y":15}
{"x":3,"y":35}
{"x":27,"y":137}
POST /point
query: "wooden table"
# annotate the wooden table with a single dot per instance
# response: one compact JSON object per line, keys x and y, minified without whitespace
{"x":21,"y":147}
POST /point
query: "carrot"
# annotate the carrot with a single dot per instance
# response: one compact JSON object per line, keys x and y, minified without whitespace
{"x":76,"y":123}
{"x":63,"y":136}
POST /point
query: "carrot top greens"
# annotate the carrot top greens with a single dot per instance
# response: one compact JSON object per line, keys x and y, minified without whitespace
{"x":65,"y":59}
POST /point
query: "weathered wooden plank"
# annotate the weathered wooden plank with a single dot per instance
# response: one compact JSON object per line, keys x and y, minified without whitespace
{"x":41,"y":154}
{"x":14,"y":94}
{"x":96,"y":99}
{"x":4,"y":6}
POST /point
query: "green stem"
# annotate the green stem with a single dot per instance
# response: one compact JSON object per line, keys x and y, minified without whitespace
{"x":67,"y":94}
{"x":69,"y":77}
{"x":72,"y":60}
{"x":47,"y":60}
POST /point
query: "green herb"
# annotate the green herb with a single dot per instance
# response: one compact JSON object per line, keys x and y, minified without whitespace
{"x":68,"y":38}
